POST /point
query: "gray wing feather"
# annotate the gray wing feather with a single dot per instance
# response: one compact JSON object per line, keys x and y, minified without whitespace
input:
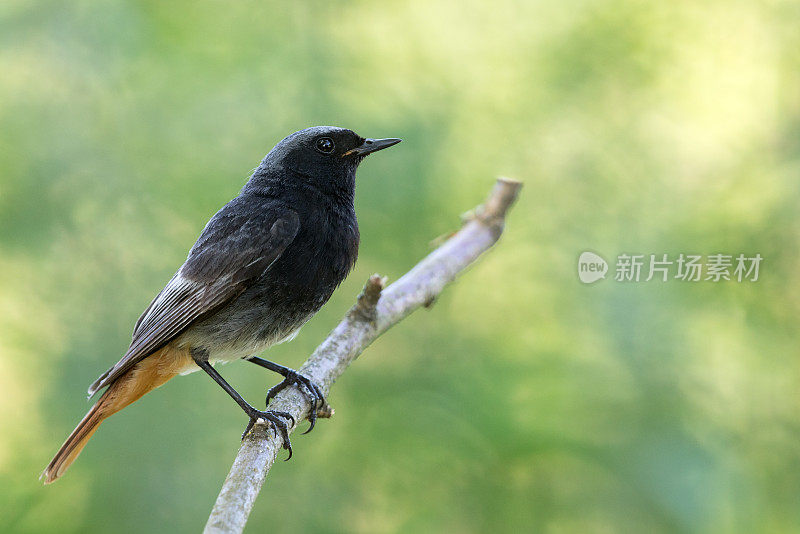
{"x":223,"y":263}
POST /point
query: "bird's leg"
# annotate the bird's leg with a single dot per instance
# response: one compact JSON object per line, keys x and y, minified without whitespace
{"x":293,"y":378}
{"x":272,"y":417}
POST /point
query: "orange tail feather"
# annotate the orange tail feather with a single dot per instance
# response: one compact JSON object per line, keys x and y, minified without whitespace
{"x":144,"y":377}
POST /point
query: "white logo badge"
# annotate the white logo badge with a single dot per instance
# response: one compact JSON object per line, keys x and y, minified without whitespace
{"x":591,"y":267}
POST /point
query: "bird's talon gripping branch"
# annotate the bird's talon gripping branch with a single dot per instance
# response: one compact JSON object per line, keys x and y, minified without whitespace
{"x":275,"y":421}
{"x":309,"y":389}
{"x":317,"y":402}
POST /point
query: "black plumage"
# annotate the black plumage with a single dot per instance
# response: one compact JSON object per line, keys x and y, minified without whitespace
{"x":263,"y":265}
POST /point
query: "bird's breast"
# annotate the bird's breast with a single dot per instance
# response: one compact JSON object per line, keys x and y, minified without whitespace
{"x":274,"y":307}
{"x":321,"y":255}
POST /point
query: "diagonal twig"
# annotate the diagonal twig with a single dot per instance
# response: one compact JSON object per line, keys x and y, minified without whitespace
{"x":376,"y":310}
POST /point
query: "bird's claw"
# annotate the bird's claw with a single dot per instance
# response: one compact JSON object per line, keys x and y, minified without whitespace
{"x":275,"y":420}
{"x":307,"y":387}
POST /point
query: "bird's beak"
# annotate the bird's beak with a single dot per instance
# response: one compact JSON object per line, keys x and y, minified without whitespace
{"x":372,"y":145}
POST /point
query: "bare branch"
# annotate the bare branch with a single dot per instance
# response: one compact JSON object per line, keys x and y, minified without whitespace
{"x":367,"y":302}
{"x":376,"y":310}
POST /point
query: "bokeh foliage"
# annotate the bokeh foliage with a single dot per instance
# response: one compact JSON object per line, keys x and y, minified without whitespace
{"x":524,"y":400}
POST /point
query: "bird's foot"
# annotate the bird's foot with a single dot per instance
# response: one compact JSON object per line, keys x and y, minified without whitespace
{"x":275,"y":420}
{"x":307,"y":387}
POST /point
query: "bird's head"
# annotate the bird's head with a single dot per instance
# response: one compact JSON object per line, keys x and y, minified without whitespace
{"x":323,"y":157}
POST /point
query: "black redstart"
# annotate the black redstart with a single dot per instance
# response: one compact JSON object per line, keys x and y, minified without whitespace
{"x":263,"y":265}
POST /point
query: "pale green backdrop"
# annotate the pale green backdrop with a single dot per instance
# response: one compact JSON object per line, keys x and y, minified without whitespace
{"x":524,"y":400}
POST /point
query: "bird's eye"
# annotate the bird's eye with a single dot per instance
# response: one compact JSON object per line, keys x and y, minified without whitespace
{"x":325,"y":145}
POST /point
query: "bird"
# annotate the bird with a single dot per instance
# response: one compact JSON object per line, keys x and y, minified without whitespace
{"x":263,"y":265}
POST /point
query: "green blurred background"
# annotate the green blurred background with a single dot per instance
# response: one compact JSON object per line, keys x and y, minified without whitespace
{"x":524,"y":400}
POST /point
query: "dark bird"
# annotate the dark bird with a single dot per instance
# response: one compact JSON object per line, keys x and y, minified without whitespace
{"x":263,"y":265}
